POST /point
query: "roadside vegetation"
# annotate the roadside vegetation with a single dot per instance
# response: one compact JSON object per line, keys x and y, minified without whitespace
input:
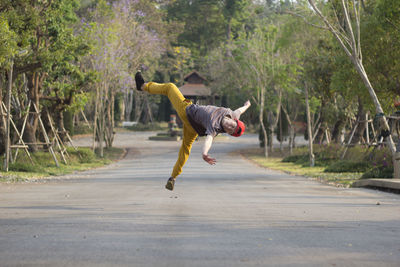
{"x":358,"y":163}
{"x":156,"y":126}
{"x":44,"y":166}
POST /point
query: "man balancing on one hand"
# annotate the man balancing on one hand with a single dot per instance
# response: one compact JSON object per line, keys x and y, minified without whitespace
{"x":197,"y":120}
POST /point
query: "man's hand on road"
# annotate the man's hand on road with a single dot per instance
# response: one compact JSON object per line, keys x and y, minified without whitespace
{"x":209,"y":159}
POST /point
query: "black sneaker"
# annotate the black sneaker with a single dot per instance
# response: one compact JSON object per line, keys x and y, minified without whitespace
{"x":139,"y":80}
{"x":170,"y":184}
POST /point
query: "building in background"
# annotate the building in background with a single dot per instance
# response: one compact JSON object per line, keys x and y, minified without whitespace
{"x":194,"y":88}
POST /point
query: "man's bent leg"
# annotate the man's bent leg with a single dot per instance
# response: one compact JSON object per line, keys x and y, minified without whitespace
{"x":189,"y":136}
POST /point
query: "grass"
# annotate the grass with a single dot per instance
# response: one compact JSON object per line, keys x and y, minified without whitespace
{"x":155,"y":126}
{"x":274,"y":162}
{"x":44,"y":165}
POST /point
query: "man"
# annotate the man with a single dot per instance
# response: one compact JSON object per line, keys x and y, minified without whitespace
{"x":197,"y":120}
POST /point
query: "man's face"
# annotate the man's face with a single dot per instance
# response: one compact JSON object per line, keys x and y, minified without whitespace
{"x":229,"y":125}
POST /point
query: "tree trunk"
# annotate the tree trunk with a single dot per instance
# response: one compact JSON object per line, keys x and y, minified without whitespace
{"x":337,"y":130}
{"x":358,"y":134}
{"x":33,"y":119}
{"x":292,"y":136}
{"x":2,"y":120}
{"x":280,"y":132}
{"x":310,"y":136}
{"x":59,"y":123}
{"x":109,"y":138}
{"x":291,"y":129}
{"x":320,"y":131}
{"x":149,"y":112}
{"x":261,"y":119}
{"x":95,"y":118}
{"x":273,"y":122}
{"x":138,"y":108}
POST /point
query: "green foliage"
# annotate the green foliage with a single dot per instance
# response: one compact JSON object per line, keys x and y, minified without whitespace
{"x":275,"y":163}
{"x":380,"y":157}
{"x":48,"y":32}
{"x":203,"y":24}
{"x":374,"y":163}
{"x":8,"y":41}
{"x":327,"y":152}
{"x":84,"y":154}
{"x":68,"y":47}
{"x":357,"y":153}
{"x":347,"y":166}
{"x":298,"y":159}
{"x":25,"y":167}
{"x":379,"y":172}
{"x":44,"y":164}
{"x":155,"y":126}
{"x":40,"y":158}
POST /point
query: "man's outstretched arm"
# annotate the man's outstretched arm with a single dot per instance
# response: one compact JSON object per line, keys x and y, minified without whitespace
{"x":206,"y":147}
{"x":241,"y":110}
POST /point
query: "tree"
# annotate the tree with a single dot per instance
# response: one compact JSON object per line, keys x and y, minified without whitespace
{"x":349,"y":37}
{"x":123,"y":45}
{"x":45,"y":30}
{"x":65,"y":77}
{"x":203,"y":24}
{"x":260,"y":68}
{"x":8,"y":39}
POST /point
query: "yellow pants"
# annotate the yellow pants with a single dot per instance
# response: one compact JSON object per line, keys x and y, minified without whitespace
{"x":179,"y":103}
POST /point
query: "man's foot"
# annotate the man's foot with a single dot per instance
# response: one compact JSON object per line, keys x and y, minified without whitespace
{"x":170,"y":184}
{"x":139,"y":80}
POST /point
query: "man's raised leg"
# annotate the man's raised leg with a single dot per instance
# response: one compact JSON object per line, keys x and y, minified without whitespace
{"x":171,"y":91}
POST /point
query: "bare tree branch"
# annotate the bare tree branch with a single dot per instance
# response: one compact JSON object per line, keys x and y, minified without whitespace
{"x":330,"y":27}
{"x":357,"y":16}
{"x":350,"y":27}
{"x":341,"y":31}
{"x":305,"y":19}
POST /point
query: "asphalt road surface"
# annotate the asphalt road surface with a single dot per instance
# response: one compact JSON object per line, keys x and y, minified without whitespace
{"x":230,"y":214}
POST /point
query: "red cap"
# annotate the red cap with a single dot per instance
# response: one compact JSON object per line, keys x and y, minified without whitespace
{"x":239,"y":128}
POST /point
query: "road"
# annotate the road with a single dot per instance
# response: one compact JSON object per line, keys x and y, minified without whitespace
{"x":230,"y":214}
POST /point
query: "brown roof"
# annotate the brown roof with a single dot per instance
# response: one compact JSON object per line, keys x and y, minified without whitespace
{"x":193,"y":73}
{"x":195,"y":89}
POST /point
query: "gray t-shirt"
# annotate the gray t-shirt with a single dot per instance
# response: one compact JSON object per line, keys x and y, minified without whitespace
{"x":206,"y":120}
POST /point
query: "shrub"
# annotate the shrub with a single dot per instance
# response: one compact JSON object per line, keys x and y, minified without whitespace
{"x":357,"y":153}
{"x":375,"y":162}
{"x":84,"y":154}
{"x":327,"y":152}
{"x":43,"y":158}
{"x":348,"y":166}
{"x":146,"y":127}
{"x":295,"y":158}
{"x":25,"y":167}
{"x":380,"y":156}
{"x":379,"y":172}
{"x":300,"y":150}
